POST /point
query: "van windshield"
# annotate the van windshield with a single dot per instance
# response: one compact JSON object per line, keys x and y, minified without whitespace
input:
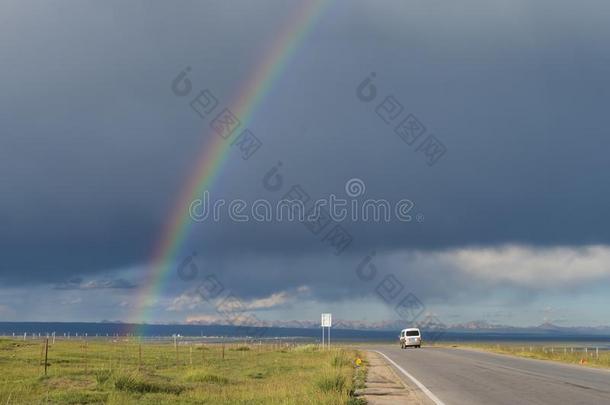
{"x":412,"y":333}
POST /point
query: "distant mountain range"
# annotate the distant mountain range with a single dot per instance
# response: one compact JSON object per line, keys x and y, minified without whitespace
{"x":546,"y":327}
{"x":393,"y":325}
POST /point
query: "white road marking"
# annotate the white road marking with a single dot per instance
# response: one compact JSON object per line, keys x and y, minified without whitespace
{"x":421,"y":386}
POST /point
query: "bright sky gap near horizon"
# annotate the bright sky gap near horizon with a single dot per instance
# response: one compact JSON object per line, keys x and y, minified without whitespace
{"x":95,"y":149}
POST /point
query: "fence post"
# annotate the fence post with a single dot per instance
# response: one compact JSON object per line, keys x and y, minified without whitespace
{"x":176,"y":347}
{"x":46,"y":355}
{"x":85,"y":353}
{"x":41,"y":356}
{"x":140,"y":357}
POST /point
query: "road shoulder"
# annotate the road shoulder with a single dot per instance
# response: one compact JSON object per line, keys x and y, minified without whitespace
{"x":385,"y":387}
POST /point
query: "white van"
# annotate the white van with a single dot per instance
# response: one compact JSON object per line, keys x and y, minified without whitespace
{"x":410,"y":337}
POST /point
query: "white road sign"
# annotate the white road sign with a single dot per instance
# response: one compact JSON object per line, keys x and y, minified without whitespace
{"x":327,"y":320}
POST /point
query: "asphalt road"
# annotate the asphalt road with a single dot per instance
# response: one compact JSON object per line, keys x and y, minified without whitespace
{"x":462,"y":376}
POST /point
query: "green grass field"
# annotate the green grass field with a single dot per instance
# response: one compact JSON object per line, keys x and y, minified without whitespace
{"x":114,"y":372}
{"x":566,"y":353}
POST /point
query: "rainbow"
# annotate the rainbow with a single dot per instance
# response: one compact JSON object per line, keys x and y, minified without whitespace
{"x":214,"y":154}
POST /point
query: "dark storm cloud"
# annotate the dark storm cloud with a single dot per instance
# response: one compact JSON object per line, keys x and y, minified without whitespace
{"x":95,"y":147}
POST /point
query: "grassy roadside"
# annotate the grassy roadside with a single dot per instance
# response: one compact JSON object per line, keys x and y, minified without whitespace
{"x":565,"y":354}
{"x":107,"y":372}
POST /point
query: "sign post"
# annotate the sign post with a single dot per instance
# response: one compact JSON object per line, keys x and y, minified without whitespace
{"x":326,"y":322}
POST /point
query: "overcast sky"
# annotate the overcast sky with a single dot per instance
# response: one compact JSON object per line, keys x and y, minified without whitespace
{"x":510,"y":225}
